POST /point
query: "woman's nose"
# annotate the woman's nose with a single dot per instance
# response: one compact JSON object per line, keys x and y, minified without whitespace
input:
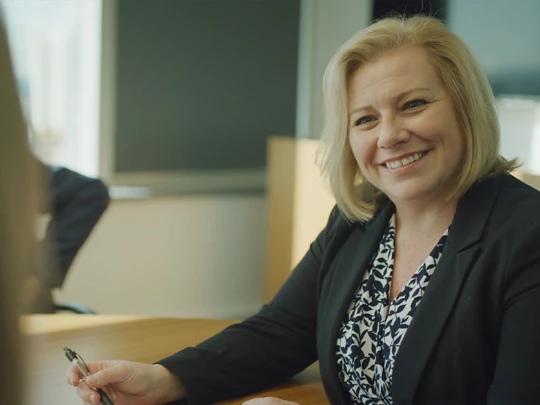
{"x":391,"y":134}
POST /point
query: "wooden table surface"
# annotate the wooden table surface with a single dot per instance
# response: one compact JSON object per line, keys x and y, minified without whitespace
{"x":98,"y":337}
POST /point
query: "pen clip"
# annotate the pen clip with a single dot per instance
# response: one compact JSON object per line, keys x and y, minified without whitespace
{"x":72,"y":354}
{"x":81,"y":360}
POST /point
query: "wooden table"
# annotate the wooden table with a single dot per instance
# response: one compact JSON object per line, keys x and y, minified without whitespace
{"x":146,"y":340}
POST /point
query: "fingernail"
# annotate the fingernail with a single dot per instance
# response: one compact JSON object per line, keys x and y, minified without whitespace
{"x":92,"y":380}
{"x":92,"y":398}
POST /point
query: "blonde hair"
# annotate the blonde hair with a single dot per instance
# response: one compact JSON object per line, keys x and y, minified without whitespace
{"x":461,"y":75}
{"x":17,"y":212}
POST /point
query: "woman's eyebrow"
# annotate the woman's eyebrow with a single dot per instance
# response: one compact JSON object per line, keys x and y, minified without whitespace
{"x":395,"y":98}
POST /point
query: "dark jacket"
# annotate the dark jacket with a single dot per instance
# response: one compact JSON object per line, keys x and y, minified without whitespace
{"x":474,"y":339}
{"x":75,"y":204}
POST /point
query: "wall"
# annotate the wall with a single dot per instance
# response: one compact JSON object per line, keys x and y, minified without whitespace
{"x":324,"y":26}
{"x":504,"y":36}
{"x":190,"y":256}
{"x":520,"y":132}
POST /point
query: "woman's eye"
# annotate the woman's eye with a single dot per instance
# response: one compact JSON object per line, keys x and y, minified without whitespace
{"x":414,"y":104}
{"x":363,"y":120}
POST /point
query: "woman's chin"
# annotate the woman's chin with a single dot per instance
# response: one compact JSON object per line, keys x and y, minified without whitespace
{"x":410,"y":193}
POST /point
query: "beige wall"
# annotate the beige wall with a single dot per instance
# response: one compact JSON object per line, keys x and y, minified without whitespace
{"x":189,"y":256}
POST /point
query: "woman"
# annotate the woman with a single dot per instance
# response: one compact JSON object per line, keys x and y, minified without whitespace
{"x":424,"y":287}
{"x":16,"y":225}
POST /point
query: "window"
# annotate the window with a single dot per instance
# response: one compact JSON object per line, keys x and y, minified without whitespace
{"x":56,"y":51}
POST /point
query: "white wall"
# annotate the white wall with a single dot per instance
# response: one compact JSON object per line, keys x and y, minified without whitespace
{"x":520,"y":131}
{"x":324,"y":26}
{"x":503,"y":35}
{"x":188,"y":256}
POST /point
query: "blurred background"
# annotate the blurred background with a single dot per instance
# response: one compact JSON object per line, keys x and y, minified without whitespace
{"x":202,"y":117}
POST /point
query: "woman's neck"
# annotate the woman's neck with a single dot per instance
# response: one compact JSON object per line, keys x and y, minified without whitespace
{"x":434,"y":217}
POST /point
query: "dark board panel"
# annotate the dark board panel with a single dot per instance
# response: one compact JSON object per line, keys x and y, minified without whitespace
{"x":201,"y":84}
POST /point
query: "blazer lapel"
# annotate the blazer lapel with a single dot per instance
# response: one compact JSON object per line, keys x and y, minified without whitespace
{"x":443,"y":290}
{"x":342,"y":281}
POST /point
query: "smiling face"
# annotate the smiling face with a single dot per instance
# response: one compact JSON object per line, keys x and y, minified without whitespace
{"x":403,"y":129}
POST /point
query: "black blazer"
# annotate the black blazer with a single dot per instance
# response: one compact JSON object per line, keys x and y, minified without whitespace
{"x":474,"y":339}
{"x":75,"y":203}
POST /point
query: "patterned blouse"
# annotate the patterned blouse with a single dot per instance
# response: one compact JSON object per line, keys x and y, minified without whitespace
{"x":372,"y":330}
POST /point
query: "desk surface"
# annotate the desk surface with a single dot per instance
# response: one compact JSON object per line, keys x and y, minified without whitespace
{"x":145,"y":340}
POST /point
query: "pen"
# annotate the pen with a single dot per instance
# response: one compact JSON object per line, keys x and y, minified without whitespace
{"x":78,"y":362}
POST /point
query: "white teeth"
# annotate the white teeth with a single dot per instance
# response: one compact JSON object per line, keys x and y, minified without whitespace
{"x":394,"y":164}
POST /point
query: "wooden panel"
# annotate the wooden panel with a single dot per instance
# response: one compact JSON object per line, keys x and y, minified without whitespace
{"x":281,"y":172}
{"x":298,"y":206}
{"x":532,"y":180}
{"x":312,"y":200}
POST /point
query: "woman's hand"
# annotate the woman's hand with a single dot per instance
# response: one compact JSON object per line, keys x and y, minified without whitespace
{"x":268,"y":401}
{"x":127,"y":383}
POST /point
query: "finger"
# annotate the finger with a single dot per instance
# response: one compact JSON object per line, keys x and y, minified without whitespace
{"x":95,"y":366}
{"x":93,"y":397}
{"x":114,"y":374}
{"x":73,"y":376}
{"x":87,"y":394}
{"x":268,"y":401}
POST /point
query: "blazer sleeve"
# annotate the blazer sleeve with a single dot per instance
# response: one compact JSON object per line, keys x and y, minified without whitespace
{"x":517,"y":374}
{"x":76,"y":203}
{"x":260,"y":352}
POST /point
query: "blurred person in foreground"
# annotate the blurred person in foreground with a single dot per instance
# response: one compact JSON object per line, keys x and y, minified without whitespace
{"x":17,"y":213}
{"x":424,"y":287}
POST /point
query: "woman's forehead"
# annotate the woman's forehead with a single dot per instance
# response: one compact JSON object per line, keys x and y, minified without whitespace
{"x":392,"y":74}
